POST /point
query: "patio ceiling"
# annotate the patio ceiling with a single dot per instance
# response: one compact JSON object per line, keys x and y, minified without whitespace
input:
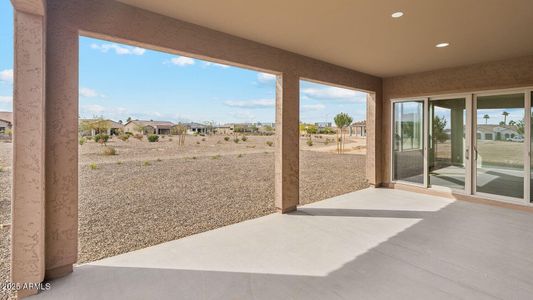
{"x":361,"y":34}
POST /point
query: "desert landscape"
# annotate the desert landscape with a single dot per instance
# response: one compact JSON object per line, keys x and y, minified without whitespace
{"x":153,"y":192}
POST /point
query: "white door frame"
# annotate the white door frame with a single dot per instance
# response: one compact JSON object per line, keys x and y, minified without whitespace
{"x":424,"y":133}
{"x":527,"y":146}
{"x":466,"y":152}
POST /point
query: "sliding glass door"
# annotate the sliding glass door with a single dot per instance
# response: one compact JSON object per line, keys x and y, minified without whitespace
{"x":408,"y":141}
{"x":475,"y":144}
{"x":448,"y":143}
{"x":500,"y":145}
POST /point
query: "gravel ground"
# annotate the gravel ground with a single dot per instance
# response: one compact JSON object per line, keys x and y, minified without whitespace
{"x":153,"y":193}
{"x":5,"y":211}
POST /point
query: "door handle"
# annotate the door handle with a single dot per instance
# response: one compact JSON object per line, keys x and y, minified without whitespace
{"x":467,"y":154}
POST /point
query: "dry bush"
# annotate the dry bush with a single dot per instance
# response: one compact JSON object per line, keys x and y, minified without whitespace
{"x":109,"y":151}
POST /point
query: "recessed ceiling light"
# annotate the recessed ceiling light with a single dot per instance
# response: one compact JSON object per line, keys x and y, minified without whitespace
{"x":442,"y":45}
{"x":397,"y":14}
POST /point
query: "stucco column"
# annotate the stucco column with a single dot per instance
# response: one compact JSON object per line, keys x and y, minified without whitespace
{"x":287,"y":142}
{"x":373,"y":139}
{"x":27,"y":230}
{"x":61,"y":146}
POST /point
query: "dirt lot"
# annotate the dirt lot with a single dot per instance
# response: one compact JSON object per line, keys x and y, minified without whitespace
{"x":150,"y":193}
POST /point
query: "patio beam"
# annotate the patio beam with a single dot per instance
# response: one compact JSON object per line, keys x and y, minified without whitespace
{"x":287,"y":160}
{"x":28,"y":194}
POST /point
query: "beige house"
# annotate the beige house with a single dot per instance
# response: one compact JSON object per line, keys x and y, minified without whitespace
{"x":112,"y":127}
{"x":148,"y":127}
{"x":6,"y":122}
{"x":458,"y":228}
{"x":358,"y":128}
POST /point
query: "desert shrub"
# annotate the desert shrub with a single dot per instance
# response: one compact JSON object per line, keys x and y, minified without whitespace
{"x":124,"y":137}
{"x":101,"y":138}
{"x":236,"y":140}
{"x":326,"y":142}
{"x":93,"y":166}
{"x":215,"y":157}
{"x":226,"y":138}
{"x":309,"y":143}
{"x":146,"y":163}
{"x":203,"y":139}
{"x":253,"y":146}
{"x":1,"y":169}
{"x":138,"y":136}
{"x":244,"y":138}
{"x":194,"y":157}
{"x":119,"y":162}
{"x":152,"y":138}
{"x":109,"y":151}
{"x":159,"y":159}
{"x":128,"y":133}
{"x":82,"y":141}
{"x":197,"y":142}
{"x":170,"y":139}
{"x":240,"y":155}
{"x":270,"y":143}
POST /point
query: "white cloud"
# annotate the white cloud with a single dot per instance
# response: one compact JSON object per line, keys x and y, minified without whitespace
{"x":6,"y":99}
{"x":266,"y":77}
{"x":94,"y":109}
{"x":257,"y":103}
{"x":209,"y":64}
{"x":245,"y":116}
{"x":89,"y":93}
{"x":182,"y":61}
{"x":119,"y":49}
{"x":6,"y":76}
{"x":335,"y":93}
{"x":313,"y":107}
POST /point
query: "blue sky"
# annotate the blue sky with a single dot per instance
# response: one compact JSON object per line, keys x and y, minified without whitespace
{"x":119,"y":81}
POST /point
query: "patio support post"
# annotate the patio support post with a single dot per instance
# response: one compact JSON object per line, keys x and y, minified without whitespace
{"x":27,"y":225}
{"x":61,"y":145}
{"x":373,"y":139}
{"x":287,"y":166}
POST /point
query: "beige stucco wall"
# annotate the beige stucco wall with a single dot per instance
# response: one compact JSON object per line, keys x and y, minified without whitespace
{"x":517,"y":72}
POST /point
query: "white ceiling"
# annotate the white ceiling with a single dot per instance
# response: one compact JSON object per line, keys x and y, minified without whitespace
{"x":361,"y":35}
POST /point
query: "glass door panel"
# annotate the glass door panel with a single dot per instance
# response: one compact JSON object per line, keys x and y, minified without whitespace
{"x":408,"y":141}
{"x":447,"y":143}
{"x":499,"y":140}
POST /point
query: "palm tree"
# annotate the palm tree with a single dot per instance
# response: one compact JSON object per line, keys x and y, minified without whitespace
{"x":486,"y":117}
{"x":505,"y":114}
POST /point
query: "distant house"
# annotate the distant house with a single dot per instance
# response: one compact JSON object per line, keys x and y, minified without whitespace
{"x":6,"y":122}
{"x":113,"y":128}
{"x":496,"y":132}
{"x":358,"y":128}
{"x":193,"y":128}
{"x":148,"y":127}
{"x":323,"y":124}
{"x":224,"y":129}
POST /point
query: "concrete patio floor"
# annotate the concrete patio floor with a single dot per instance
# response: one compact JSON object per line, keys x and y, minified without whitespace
{"x":370,"y":244}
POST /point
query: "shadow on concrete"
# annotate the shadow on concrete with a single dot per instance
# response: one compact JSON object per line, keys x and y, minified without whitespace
{"x":463,"y":250}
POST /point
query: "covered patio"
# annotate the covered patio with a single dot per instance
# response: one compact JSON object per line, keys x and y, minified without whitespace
{"x":377,"y":243}
{"x":370,"y":244}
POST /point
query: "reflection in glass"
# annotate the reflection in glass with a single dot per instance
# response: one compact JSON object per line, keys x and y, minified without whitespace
{"x":408,"y":141}
{"x":447,"y":123}
{"x":500,"y":145}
